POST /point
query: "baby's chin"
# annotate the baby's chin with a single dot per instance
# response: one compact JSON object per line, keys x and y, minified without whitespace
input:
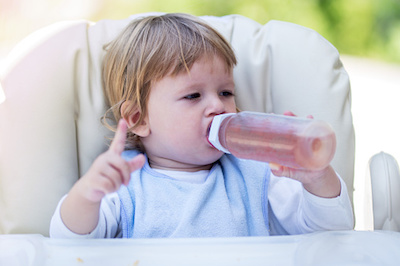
{"x":214,"y":157}
{"x":206,"y":161}
{"x":190,"y":162}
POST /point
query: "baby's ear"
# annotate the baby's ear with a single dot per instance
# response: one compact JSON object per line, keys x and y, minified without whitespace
{"x":132,"y":119}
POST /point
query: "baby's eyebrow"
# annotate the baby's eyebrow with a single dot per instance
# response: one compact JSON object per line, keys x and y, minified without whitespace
{"x":192,"y":86}
{"x":230,"y":84}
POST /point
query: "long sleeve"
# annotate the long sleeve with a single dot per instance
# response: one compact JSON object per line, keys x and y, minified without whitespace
{"x":107,"y":227}
{"x":293,"y":210}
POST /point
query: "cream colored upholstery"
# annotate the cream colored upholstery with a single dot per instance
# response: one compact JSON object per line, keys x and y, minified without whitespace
{"x":384,"y":174}
{"x":50,"y":129}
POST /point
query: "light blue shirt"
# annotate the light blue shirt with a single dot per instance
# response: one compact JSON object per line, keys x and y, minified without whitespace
{"x":233,"y":201}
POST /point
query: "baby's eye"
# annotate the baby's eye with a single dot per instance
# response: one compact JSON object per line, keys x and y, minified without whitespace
{"x":226,"y":93}
{"x":192,"y":96}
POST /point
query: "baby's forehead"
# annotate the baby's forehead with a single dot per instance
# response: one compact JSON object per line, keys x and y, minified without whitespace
{"x":205,"y":59}
{"x":204,"y":71}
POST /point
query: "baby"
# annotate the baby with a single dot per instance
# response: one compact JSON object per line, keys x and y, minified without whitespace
{"x":165,"y":78}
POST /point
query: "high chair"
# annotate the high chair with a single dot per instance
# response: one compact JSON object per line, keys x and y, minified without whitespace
{"x":50,"y":130}
{"x":384,"y":175}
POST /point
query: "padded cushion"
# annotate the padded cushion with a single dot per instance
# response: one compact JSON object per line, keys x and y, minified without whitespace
{"x":50,"y":130}
{"x":385,"y":183}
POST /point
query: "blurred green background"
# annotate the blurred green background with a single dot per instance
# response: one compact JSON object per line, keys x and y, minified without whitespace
{"x":367,"y":28}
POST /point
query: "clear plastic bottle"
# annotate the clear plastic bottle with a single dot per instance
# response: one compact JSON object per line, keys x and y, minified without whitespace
{"x":295,"y":142}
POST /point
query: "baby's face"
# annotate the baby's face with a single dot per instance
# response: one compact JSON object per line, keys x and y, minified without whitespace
{"x":180,"y":112}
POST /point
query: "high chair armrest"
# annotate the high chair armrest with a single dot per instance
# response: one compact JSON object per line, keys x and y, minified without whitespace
{"x":385,"y":184}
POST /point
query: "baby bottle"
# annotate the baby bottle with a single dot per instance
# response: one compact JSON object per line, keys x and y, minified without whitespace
{"x":301,"y":143}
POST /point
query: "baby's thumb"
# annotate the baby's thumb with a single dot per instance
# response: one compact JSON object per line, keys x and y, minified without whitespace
{"x":280,"y":170}
{"x":137,"y":162}
{"x":134,"y":164}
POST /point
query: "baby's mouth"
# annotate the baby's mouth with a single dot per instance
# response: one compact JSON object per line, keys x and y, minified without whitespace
{"x":208,"y":130}
{"x":208,"y":135}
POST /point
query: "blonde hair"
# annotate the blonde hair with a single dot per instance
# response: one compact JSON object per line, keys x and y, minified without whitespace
{"x":149,"y":49}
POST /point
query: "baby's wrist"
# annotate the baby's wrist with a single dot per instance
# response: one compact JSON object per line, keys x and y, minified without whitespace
{"x":326,"y":185}
{"x":86,"y":194}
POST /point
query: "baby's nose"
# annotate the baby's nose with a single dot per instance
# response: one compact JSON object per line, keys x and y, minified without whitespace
{"x":215,"y":106}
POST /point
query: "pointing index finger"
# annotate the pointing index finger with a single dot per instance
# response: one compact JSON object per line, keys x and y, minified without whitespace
{"x":118,"y":143}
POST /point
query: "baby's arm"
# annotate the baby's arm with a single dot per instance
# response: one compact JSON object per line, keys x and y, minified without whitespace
{"x":295,"y":211}
{"x":80,"y":209}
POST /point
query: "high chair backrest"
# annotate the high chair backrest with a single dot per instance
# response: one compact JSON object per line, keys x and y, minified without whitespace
{"x":50,"y":130}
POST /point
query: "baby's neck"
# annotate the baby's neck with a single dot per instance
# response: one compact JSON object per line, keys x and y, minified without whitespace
{"x":184,"y":169}
{"x":179,"y":167}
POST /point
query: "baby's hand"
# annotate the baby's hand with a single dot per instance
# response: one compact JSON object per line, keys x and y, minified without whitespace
{"x":109,"y":171}
{"x":303,"y":175}
{"x":323,"y":183}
